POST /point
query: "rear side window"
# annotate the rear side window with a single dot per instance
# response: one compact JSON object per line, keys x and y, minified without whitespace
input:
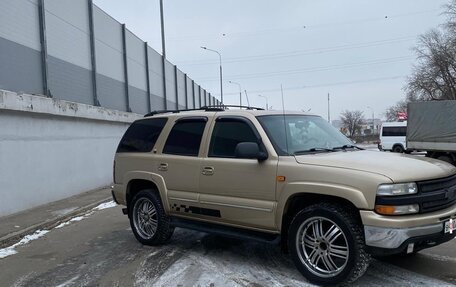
{"x":185,"y":137}
{"x":226,"y":136}
{"x":394,"y":131}
{"x":141,"y":135}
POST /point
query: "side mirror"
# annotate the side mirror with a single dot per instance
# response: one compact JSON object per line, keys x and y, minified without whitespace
{"x":249,"y":150}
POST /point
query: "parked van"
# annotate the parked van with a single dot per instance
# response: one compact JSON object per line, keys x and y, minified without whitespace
{"x":393,"y":137}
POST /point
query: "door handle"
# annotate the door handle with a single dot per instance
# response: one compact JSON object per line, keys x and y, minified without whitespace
{"x":163,"y":167}
{"x":208,"y":170}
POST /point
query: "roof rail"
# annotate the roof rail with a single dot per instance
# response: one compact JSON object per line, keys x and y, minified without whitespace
{"x":205,"y":108}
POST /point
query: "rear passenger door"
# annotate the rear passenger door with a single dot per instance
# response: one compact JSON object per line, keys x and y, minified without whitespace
{"x":237,"y":191}
{"x":179,"y":162}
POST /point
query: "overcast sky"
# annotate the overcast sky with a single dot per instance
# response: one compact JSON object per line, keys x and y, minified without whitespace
{"x":358,"y":51}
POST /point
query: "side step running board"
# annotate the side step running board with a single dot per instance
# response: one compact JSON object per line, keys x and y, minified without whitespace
{"x":227,"y":231}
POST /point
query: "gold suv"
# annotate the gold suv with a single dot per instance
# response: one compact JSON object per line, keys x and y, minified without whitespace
{"x":281,"y":177}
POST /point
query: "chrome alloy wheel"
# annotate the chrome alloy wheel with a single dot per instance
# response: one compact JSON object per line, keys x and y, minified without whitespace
{"x":322,"y":247}
{"x":145,"y":218}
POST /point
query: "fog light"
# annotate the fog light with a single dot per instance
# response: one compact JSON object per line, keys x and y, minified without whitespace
{"x":397,"y":210}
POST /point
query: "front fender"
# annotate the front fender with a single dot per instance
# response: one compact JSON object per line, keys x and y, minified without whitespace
{"x":355,"y":196}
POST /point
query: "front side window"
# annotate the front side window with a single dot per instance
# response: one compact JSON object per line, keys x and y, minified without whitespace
{"x":295,"y":134}
{"x":185,"y":138}
{"x":394,"y":131}
{"x":227,"y":134}
{"x":141,"y":135}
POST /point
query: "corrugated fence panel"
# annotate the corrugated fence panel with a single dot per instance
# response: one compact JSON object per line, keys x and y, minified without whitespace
{"x":20,"y":56}
{"x":157,"y":100}
{"x":197,"y":96}
{"x":181,"y":89}
{"x":68,"y":45}
{"x":110,"y":67}
{"x":171,"y":96}
{"x":137,"y":80}
{"x":69,"y":59}
{"x":190,"y":93}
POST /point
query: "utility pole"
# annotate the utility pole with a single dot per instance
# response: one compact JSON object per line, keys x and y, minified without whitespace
{"x":221,"y":77}
{"x":329,"y":115}
{"x":162,"y":29}
{"x":373,"y":119}
{"x":162,"y":20}
{"x":240,"y":91}
{"x":247,"y":96}
{"x":266,"y":98}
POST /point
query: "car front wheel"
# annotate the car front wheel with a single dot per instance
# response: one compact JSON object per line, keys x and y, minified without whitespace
{"x":327,"y":244}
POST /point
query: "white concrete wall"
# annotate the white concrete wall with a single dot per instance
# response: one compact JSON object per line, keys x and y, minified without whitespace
{"x":51,"y":149}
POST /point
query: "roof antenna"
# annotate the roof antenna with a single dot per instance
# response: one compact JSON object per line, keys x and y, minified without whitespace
{"x":248,"y":102}
{"x":284,"y":122}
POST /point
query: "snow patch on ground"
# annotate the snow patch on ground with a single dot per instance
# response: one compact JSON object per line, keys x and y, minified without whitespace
{"x":10,"y":250}
{"x":68,"y":282}
{"x":105,"y":205}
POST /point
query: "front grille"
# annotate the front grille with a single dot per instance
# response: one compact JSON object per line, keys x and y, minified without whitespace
{"x":437,"y":184}
{"x":437,"y":194}
{"x":432,"y":195}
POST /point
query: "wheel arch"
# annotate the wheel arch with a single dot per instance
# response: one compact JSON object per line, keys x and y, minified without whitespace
{"x":398,"y":144}
{"x":137,"y":181}
{"x":298,"y":201}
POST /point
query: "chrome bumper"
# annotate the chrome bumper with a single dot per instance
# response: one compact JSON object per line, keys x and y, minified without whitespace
{"x":391,"y":238}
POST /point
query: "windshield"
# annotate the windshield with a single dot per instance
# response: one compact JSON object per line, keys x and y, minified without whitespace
{"x":302,"y":133}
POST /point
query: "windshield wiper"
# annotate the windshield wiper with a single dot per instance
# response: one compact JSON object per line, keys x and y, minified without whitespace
{"x":345,"y":147}
{"x":314,"y":149}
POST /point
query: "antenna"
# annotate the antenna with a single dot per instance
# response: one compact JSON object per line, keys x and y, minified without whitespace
{"x":284,"y":122}
{"x":248,"y":102}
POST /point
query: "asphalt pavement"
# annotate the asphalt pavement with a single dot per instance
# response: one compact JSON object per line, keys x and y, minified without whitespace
{"x":99,"y":249}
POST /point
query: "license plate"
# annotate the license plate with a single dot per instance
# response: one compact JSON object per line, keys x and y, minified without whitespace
{"x":449,"y":226}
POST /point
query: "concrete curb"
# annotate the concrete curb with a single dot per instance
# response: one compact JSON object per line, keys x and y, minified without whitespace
{"x":16,"y":236}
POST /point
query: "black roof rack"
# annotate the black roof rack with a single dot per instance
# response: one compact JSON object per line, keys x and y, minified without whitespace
{"x":205,"y":108}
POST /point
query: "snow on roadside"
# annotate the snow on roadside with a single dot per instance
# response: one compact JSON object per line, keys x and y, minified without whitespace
{"x":11,"y":250}
{"x":105,"y":205}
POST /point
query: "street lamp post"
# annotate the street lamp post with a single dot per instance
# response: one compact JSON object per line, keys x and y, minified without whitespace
{"x":266,"y":98}
{"x":373,"y":119}
{"x":221,"y":77}
{"x":240,"y":91}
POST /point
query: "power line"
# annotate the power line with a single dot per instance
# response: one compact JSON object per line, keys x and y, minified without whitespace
{"x":304,"y":27}
{"x":328,"y":84}
{"x":313,"y":69}
{"x":296,"y":53}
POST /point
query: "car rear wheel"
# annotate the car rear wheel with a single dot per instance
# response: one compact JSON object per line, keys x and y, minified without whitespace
{"x":327,"y":244}
{"x":398,"y":149}
{"x":150,"y":224}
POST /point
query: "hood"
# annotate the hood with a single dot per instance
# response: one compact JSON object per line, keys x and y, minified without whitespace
{"x":398,"y":167}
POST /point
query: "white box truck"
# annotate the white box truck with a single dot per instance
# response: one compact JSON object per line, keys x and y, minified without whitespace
{"x":431,"y":127}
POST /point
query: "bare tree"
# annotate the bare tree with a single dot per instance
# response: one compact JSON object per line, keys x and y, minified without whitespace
{"x":391,"y":112}
{"x":434,"y":76}
{"x":352,"y":121}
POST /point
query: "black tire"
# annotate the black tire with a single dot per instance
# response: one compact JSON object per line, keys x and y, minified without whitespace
{"x":354,"y":265}
{"x":163,"y":231}
{"x":445,"y":158}
{"x":398,"y":149}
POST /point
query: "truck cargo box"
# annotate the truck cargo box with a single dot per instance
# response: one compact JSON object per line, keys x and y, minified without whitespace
{"x":432,"y":126}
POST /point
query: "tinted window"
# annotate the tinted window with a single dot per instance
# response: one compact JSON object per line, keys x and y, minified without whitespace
{"x":141,"y":135}
{"x":226,"y":136}
{"x":185,"y":138}
{"x":394,"y":131}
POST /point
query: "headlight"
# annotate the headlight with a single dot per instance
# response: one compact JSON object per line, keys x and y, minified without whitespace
{"x":397,"y":189}
{"x":397,"y":210}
